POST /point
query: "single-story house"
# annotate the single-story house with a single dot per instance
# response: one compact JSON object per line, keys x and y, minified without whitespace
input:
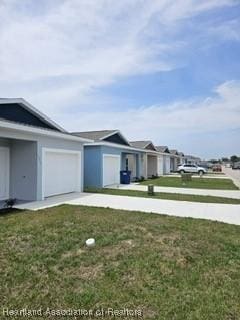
{"x":38,"y":158}
{"x":190,"y":159}
{"x":152,"y":158}
{"x":181,"y":159}
{"x":109,"y":154}
{"x":174,"y":160}
{"x":165,"y":154}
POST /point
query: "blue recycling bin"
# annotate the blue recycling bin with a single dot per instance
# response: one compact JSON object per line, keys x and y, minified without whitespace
{"x":125,"y":177}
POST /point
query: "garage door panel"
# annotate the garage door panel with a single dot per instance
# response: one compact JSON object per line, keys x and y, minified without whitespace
{"x":111,"y":170}
{"x":4,"y":173}
{"x":167,"y":165}
{"x":61,"y":173}
{"x":160,"y":165}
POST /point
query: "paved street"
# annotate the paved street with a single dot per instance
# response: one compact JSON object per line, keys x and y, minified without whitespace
{"x":233,"y":174}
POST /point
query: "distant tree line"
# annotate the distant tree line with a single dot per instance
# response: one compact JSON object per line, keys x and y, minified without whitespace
{"x":232,"y":159}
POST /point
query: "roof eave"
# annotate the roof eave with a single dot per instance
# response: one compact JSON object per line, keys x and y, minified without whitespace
{"x":39,"y":131}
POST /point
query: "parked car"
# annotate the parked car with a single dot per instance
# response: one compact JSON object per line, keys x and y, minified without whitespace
{"x":192,"y":168}
{"x":236,"y":165}
{"x":217,"y":168}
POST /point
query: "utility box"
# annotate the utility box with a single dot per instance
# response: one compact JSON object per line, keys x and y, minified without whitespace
{"x":151,"y":190}
{"x":186,"y":177}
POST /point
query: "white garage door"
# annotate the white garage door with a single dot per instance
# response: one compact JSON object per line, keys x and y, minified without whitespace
{"x":160,"y":166}
{"x":4,"y":173}
{"x":62,"y":172}
{"x":167,"y":165}
{"x":111,"y":169}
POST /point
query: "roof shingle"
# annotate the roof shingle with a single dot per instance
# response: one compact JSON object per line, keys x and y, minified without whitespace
{"x":94,"y":135}
{"x":162,"y":149}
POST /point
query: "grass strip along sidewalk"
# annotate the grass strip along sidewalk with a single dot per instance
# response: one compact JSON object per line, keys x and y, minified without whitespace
{"x":200,"y":183}
{"x":164,"y":195}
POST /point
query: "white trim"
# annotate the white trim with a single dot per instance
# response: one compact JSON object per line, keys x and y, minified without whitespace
{"x":63,"y":151}
{"x":105,"y":155}
{"x":153,"y":153}
{"x":39,"y":131}
{"x":174,"y":156}
{"x":7,"y":173}
{"x":119,"y":146}
{"x":110,"y":144}
{"x":26,"y":105}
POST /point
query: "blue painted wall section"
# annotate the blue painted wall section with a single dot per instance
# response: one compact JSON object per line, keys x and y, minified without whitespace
{"x":93,"y":166}
{"x":93,"y":163}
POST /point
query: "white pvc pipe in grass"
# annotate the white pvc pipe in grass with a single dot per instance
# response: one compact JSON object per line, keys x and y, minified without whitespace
{"x":90,"y":242}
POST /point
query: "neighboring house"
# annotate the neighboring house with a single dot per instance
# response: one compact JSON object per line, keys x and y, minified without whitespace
{"x":152,"y":159}
{"x":107,"y":156}
{"x":181,"y":158}
{"x":165,"y":158}
{"x":38,"y":158}
{"x":174,"y":160}
{"x":189,"y":159}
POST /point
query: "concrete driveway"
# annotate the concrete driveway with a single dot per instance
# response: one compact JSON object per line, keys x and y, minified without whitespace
{"x":211,"y":211}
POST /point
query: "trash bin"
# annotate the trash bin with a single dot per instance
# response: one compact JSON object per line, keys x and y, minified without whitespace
{"x":125,"y":177}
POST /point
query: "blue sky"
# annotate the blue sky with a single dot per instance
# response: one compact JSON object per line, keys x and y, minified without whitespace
{"x":159,"y":70}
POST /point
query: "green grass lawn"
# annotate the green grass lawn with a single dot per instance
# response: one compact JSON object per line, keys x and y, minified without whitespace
{"x":170,"y":268}
{"x":201,"y":183}
{"x":165,"y":195}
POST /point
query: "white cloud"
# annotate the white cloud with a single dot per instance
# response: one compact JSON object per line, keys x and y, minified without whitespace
{"x":226,"y":31}
{"x":168,"y":124}
{"x":57,"y":53}
{"x":94,"y":42}
{"x":217,"y":112}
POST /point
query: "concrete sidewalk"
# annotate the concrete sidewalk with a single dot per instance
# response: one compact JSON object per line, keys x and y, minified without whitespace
{"x":211,"y":211}
{"x":220,"y":212}
{"x":235,"y":194}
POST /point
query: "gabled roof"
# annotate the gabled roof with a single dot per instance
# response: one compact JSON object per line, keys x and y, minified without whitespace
{"x":30,"y":108}
{"x":143,"y":144}
{"x":163,"y":149}
{"x":174,"y":152}
{"x":94,"y":135}
{"x":100,"y":135}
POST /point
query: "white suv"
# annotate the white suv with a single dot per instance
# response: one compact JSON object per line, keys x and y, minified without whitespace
{"x":191,"y":168}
